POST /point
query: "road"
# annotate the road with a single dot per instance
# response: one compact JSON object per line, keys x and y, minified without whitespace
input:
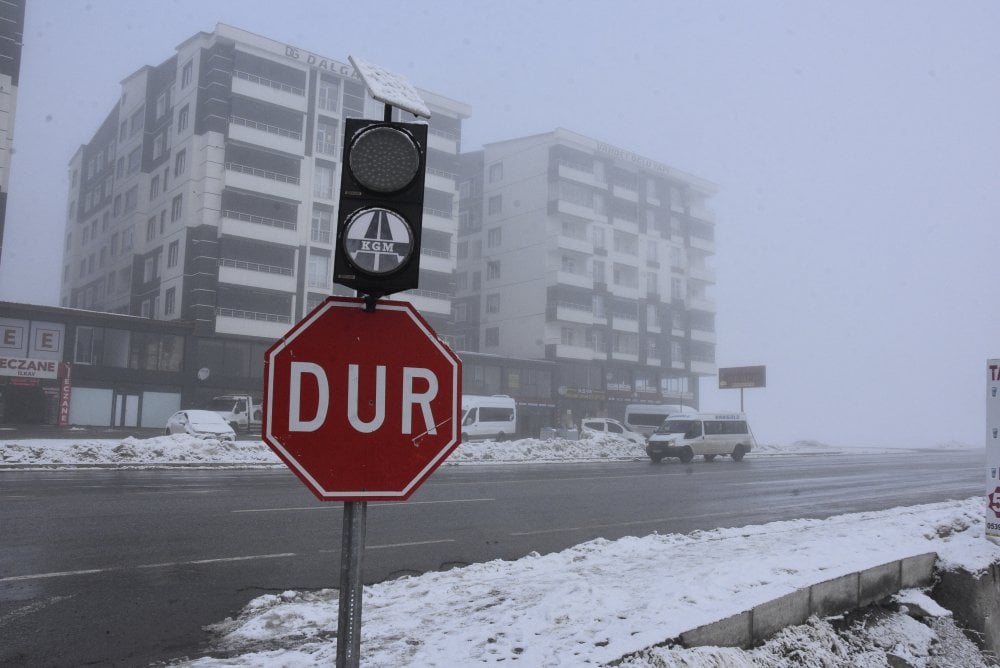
{"x":125,"y":567}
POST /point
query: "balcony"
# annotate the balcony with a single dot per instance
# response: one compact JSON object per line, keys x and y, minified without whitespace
{"x":703,"y":336}
{"x":442,"y":141}
{"x":572,"y":209}
{"x":437,"y":261}
{"x":624,"y":324}
{"x":706,"y":245}
{"x":575,"y":244}
{"x":624,"y":357}
{"x":625,"y":193}
{"x":703,"y":368}
{"x":566,"y":351}
{"x":275,"y":92}
{"x":440,"y":180}
{"x":272,"y":230}
{"x":578,"y":313}
{"x":701,"y":304}
{"x":436,"y":219}
{"x":254,"y":275}
{"x":251,"y":323}
{"x":262,"y":134}
{"x":702,"y":274}
{"x":261,"y":180}
{"x":576,"y":280}
{"x":427,"y":301}
{"x":578,"y":173}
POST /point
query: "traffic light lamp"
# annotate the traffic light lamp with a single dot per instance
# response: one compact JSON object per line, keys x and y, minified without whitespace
{"x":381,"y":206}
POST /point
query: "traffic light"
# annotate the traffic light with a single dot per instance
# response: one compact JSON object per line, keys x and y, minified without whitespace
{"x":381,"y":206}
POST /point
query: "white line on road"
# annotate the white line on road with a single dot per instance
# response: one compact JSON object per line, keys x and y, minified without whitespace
{"x":372,"y":505}
{"x":91,"y":571}
{"x":392,"y":545}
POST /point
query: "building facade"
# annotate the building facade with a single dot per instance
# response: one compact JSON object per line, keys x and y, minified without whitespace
{"x":209,"y":193}
{"x":11,"y":39}
{"x":594,"y":258}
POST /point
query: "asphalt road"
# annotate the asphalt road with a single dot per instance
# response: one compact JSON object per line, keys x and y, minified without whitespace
{"x":107,"y":567}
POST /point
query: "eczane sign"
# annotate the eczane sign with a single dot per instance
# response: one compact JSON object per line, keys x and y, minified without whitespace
{"x":362,"y":406}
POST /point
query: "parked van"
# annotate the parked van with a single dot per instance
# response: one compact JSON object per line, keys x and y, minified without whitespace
{"x":645,"y":418}
{"x":686,"y":435}
{"x":488,"y":418}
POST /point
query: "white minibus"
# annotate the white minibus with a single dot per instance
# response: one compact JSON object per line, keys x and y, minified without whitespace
{"x":686,"y":435}
{"x":488,"y":417}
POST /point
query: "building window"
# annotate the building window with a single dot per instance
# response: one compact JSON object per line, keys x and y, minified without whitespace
{"x":598,"y":271}
{"x":131,"y":201}
{"x":496,"y":172}
{"x":150,"y":268}
{"x":173,"y":251}
{"x":151,"y":229}
{"x":177,"y":208}
{"x":135,"y":160}
{"x":323,"y":182}
{"x":158,"y":146}
{"x":321,"y":225}
{"x":494,"y":237}
{"x":154,"y":187}
{"x":328,"y":95}
{"x":495,"y":205}
{"x":460,"y":311}
{"x":493,"y":303}
{"x":180,"y":162}
{"x":182,"y":118}
{"x":493,"y":270}
{"x":161,"y":104}
{"x":123,"y":131}
{"x":169,"y":300}
{"x":492,"y":336}
{"x":326,"y":137}
{"x":137,"y":121}
{"x":187,"y":73}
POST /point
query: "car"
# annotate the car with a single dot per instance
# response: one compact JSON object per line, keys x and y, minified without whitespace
{"x":599,"y":426}
{"x":203,"y":424}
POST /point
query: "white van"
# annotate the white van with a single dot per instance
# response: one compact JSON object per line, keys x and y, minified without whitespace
{"x":686,"y":435}
{"x":645,"y":418}
{"x":488,"y":418}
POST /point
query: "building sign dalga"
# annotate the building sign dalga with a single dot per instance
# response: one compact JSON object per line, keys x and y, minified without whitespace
{"x":26,"y":367}
{"x":993,"y":449}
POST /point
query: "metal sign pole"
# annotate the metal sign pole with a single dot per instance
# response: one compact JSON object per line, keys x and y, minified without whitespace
{"x":351,"y":586}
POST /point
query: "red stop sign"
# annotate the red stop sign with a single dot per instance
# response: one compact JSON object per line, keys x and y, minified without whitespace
{"x":362,"y":406}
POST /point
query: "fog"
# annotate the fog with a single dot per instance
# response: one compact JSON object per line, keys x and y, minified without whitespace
{"x":856,"y":146}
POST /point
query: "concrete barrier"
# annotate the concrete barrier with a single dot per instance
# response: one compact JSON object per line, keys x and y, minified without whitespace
{"x":824,"y":599}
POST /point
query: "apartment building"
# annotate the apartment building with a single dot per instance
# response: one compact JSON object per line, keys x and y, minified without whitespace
{"x":11,"y":39}
{"x":209,"y":193}
{"x":593,"y":257}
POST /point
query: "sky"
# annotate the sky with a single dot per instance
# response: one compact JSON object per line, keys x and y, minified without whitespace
{"x":856,"y":147}
{"x":591,"y":603}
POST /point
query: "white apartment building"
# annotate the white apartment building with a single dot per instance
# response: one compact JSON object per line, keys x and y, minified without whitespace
{"x":11,"y":39}
{"x":594,"y":257}
{"x":210,"y":192}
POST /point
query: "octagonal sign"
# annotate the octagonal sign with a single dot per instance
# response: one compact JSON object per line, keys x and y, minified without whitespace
{"x":362,"y":406}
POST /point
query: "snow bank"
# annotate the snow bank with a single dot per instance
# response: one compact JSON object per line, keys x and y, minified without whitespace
{"x":602,"y":600}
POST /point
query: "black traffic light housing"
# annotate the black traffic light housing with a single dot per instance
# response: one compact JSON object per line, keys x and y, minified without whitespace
{"x":381,"y":210}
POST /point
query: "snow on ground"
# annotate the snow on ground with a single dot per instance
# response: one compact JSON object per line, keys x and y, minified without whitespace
{"x":598,"y":601}
{"x":181,"y":449}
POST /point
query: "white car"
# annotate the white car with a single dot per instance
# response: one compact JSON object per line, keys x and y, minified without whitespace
{"x":203,"y":424}
{"x":600,"y":426}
